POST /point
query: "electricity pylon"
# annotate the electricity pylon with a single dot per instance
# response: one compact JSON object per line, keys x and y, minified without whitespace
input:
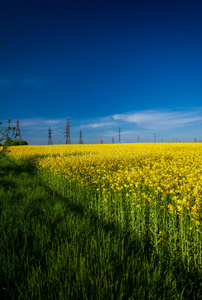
{"x":67,"y":131}
{"x":17,"y":132}
{"x":49,"y":137}
{"x":80,"y":138}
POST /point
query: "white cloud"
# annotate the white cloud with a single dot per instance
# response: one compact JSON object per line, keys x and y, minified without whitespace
{"x":181,"y":123}
{"x":40,"y":122}
{"x":99,"y":124}
{"x":151,"y":119}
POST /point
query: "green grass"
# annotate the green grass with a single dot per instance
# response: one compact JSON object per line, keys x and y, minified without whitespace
{"x":54,"y":248}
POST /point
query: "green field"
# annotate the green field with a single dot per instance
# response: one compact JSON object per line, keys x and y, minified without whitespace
{"x":52,"y":248}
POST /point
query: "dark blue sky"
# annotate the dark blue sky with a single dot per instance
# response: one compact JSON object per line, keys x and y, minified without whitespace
{"x":105,"y":64}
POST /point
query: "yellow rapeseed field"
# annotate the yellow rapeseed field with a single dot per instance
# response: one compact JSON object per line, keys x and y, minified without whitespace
{"x":155,"y":188}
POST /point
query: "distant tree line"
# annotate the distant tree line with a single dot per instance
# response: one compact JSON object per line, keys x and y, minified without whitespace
{"x":14,"y":143}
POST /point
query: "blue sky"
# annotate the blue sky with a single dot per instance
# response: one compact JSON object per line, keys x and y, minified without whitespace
{"x":105,"y":64}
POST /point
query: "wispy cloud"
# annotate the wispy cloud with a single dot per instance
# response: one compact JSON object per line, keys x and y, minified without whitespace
{"x":153,"y":119}
{"x":37,"y":123}
{"x":40,"y":122}
{"x":182,"y":123}
{"x":148,"y":119}
{"x":99,"y":124}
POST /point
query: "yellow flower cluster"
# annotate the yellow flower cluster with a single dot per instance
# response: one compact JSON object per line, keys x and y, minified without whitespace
{"x":152,"y":171}
{"x":157,"y":185}
{"x":155,"y":188}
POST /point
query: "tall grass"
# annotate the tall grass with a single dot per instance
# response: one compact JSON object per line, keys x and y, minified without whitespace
{"x":157,"y":194}
{"x":55,"y":246}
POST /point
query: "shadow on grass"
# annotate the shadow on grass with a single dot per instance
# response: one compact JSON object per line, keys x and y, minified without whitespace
{"x":9,"y":165}
{"x":10,"y":168}
{"x":6,"y":184}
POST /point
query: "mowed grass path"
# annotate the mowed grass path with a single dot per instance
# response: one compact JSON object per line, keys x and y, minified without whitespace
{"x":51,"y":248}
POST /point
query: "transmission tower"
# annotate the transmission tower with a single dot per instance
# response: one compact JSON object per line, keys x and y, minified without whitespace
{"x":154,"y":137}
{"x":138,"y":138}
{"x":80,"y":138}
{"x":67,"y":131}
{"x":113,"y":140}
{"x":49,"y":137}
{"x":17,"y":132}
{"x":100,"y":139}
{"x":119,"y":134}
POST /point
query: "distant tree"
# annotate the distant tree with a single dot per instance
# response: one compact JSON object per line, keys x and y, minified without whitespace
{"x":6,"y":136}
{"x":18,"y":143}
